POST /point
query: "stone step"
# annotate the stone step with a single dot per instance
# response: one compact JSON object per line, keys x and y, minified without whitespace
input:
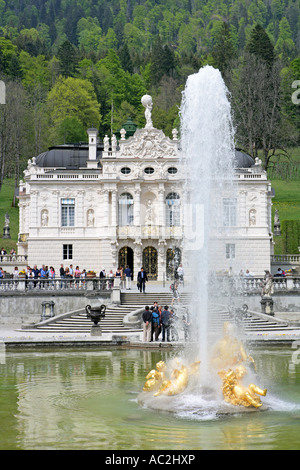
{"x":113,"y":321}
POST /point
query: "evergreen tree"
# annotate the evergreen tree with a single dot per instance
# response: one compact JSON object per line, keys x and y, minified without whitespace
{"x":67,"y":56}
{"x":125,"y":59}
{"x":260,"y":45}
{"x":168,"y":61}
{"x":223,"y":52}
{"x":162,"y":62}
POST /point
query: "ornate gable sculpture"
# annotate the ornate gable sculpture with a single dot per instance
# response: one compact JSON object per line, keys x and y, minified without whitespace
{"x":149,"y":142}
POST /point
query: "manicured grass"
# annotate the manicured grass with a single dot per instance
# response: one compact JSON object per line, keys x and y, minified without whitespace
{"x":6,"y":199}
{"x":287,"y":201}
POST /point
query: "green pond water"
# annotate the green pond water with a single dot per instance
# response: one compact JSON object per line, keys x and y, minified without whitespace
{"x":88,"y":400}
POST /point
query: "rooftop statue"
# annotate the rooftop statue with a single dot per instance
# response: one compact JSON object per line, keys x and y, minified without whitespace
{"x":147,"y":103}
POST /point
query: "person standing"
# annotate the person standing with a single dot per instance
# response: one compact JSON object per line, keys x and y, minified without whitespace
{"x":142,"y":278}
{"x":147,"y":323}
{"x":165,"y":322}
{"x":128,"y":274}
{"x":175,"y":292}
{"x":62,"y":275}
{"x":155,"y":322}
{"x":180,"y":274}
{"x":102,"y":277}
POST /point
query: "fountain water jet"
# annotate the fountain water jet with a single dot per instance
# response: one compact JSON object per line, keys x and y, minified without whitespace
{"x":207,"y":141}
{"x":208,"y":154}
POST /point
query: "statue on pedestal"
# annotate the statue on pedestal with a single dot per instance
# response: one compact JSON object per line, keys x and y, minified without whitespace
{"x":6,"y":229}
{"x":267,"y":303}
{"x":267,"y":285}
{"x":147,"y":103}
{"x":277,"y":229}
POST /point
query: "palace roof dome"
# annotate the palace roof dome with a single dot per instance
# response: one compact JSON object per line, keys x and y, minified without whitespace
{"x":75,"y":156}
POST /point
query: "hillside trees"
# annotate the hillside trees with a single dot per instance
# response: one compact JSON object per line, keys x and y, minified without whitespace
{"x":257,"y":98}
{"x":76,"y":99}
{"x":123,"y":49}
{"x":256,"y":102}
{"x":15,"y":125}
{"x":224,"y":50}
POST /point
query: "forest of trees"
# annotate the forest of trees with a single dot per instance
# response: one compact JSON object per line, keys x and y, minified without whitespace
{"x":73,"y":64}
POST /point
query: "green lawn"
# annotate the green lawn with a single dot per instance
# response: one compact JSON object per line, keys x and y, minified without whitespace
{"x":287,"y":201}
{"x":6,"y":199}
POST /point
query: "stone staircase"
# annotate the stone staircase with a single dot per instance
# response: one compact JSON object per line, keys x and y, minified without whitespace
{"x":77,"y":322}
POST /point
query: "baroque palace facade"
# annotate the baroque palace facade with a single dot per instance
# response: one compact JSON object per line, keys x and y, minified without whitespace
{"x":109,"y":204}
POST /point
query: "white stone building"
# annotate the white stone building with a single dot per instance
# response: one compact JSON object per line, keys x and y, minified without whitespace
{"x":104,"y":205}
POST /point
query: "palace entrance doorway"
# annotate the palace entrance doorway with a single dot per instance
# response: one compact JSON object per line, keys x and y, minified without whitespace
{"x":126,"y":258}
{"x":150,"y":262}
{"x":173,"y":261}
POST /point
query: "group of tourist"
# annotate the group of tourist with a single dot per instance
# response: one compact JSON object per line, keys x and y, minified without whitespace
{"x":159,"y":320}
{"x":3,"y":253}
{"x":79,"y":276}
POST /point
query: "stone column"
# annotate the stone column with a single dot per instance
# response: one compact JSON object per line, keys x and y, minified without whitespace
{"x":243,"y":209}
{"x":162,"y":210}
{"x":80,"y":208}
{"x":22,"y":214}
{"x":161,"y":261}
{"x":34,"y":209}
{"x":105,"y":206}
{"x":114,"y":211}
{"x":138,"y":257}
{"x":56,"y":212}
{"x":263,"y":209}
{"x":137,"y":205}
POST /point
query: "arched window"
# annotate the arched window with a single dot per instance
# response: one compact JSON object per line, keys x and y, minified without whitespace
{"x":173,"y":210}
{"x":125,"y":209}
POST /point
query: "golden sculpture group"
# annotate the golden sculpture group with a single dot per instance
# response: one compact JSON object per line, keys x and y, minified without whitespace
{"x":158,"y":382}
{"x":228,"y":359}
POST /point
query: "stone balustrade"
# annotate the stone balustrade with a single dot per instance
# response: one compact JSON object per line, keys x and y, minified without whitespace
{"x":224,"y":285}
{"x":58,"y":284}
{"x":253,"y":284}
{"x":13,"y":259}
{"x":288,"y":258}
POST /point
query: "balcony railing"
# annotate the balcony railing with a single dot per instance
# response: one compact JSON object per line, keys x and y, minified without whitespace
{"x":13,"y":259}
{"x":149,"y":231}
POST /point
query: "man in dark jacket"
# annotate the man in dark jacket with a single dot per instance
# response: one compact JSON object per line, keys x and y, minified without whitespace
{"x":155,"y":322}
{"x":141,"y":279}
{"x":165,"y":321}
{"x":147,"y":323}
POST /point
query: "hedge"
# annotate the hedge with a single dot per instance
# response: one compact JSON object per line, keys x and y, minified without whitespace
{"x":290,"y":230}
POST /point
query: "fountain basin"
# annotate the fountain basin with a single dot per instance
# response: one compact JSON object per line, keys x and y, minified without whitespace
{"x":201,"y":404}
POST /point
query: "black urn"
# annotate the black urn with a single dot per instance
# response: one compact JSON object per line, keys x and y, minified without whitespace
{"x":95,"y":313}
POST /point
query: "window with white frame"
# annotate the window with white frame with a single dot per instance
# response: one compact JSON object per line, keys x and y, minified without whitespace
{"x":230,"y":251}
{"x":67,"y":251}
{"x":229,"y":212}
{"x":67,"y":212}
{"x":173,"y":210}
{"x":125,"y":210}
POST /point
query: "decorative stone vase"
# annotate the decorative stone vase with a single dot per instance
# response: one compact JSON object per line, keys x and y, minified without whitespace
{"x":95,"y":313}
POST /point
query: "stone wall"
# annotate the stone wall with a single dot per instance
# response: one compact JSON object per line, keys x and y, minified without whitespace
{"x":17,"y":309}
